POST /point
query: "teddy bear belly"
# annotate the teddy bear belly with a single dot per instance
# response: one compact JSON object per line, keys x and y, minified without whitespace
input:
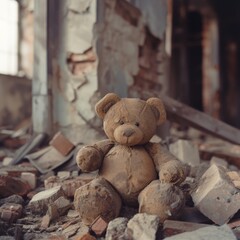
{"x":129,"y":170}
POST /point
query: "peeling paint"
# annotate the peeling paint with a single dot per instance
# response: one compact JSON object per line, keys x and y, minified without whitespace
{"x":155,"y":14}
{"x":70,"y":92}
{"x":130,"y":34}
{"x":79,"y":6}
{"x":79,"y":26}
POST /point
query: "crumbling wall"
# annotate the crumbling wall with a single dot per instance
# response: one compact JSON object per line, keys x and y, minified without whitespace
{"x":130,"y":46}
{"x":72,"y":65}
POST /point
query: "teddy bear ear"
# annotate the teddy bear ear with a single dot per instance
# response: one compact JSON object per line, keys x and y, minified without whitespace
{"x":158,"y":109}
{"x":103,"y":105}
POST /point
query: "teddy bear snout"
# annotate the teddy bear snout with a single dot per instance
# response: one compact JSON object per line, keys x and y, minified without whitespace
{"x":128,"y":132}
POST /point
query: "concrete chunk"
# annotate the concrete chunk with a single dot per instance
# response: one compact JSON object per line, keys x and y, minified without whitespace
{"x":40,"y":201}
{"x":206,"y":233}
{"x":215,"y":196}
{"x":142,"y":226}
{"x":219,"y":161}
{"x":116,"y":229}
{"x":185,"y":151}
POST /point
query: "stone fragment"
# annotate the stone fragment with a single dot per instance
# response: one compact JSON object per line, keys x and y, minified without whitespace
{"x":58,"y":207}
{"x":71,"y":230}
{"x":45,"y":221}
{"x":99,"y":226}
{"x":215,"y":196}
{"x":236,"y":183}
{"x":40,"y":201}
{"x":142,"y":227}
{"x":72,"y":213}
{"x":10,"y":212}
{"x":6,"y":161}
{"x":12,"y":199}
{"x":219,"y":161}
{"x":116,"y":229}
{"x":30,"y":178}
{"x":171,"y":227}
{"x":185,"y":151}
{"x":234,"y":175}
{"x":213,"y":232}
{"x":64,"y":174}
{"x":62,"y":144}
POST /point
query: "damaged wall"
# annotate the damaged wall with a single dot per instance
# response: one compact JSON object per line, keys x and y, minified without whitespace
{"x":129,"y":40}
{"x":72,"y":62}
{"x":130,"y":46}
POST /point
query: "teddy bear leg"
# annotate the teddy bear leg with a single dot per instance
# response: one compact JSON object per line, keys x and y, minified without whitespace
{"x":97,"y":198}
{"x":163,"y":199}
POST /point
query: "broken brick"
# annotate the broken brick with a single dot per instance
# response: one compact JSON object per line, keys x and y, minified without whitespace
{"x":17,"y":170}
{"x":99,"y":226}
{"x":215,"y":196}
{"x":62,"y":144}
{"x":10,"y":185}
{"x":10,"y":212}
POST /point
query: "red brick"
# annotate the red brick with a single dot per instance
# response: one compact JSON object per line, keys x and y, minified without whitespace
{"x":62,"y":144}
{"x":10,"y":212}
{"x":99,"y":226}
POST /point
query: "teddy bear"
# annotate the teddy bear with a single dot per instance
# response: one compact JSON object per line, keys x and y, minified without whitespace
{"x":131,"y":169}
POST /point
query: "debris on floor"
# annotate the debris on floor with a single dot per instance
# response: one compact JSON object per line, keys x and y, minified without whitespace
{"x":37,"y":189}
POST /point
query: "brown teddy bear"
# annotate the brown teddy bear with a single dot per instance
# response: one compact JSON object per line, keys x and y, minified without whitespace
{"x":131,"y":169}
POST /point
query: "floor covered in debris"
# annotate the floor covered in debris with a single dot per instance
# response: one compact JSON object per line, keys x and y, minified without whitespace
{"x":39,"y":176}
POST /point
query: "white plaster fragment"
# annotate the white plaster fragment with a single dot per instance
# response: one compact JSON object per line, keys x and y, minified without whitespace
{"x":70,"y":92}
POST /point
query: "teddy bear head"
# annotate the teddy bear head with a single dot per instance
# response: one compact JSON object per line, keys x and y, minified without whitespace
{"x":130,"y":121}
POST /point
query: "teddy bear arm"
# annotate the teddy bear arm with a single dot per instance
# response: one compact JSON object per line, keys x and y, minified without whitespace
{"x":170,"y":169}
{"x":89,"y":158}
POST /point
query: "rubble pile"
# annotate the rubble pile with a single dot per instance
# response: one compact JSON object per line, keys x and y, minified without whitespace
{"x":38,"y":183}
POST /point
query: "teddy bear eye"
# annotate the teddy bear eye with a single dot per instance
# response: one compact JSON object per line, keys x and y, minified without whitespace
{"x":137,"y":124}
{"x":121,"y":122}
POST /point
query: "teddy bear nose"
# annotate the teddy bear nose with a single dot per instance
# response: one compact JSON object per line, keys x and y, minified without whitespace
{"x":128,"y":132}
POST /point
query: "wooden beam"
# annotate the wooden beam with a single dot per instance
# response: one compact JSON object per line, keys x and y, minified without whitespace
{"x":183,"y":114}
{"x":188,"y":116}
